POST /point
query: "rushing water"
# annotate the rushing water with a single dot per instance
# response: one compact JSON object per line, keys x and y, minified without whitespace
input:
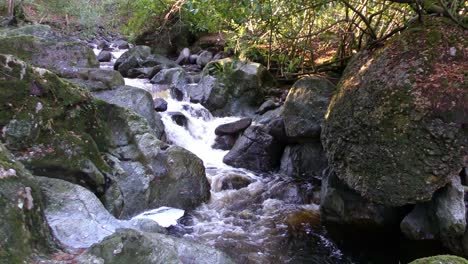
{"x":265,"y":222}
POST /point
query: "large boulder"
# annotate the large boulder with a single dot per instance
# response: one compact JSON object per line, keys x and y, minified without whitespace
{"x":305,"y":107}
{"x":133,"y":58}
{"x":146,"y":171}
{"x":93,"y":79}
{"x":136,"y":99}
{"x":441,"y":259}
{"x":51,"y":125}
{"x":23,"y":230}
{"x":396,"y":130}
{"x":130,"y":246}
{"x":41,"y":47}
{"x":185,"y":185}
{"x":255,"y":150}
{"x":231,"y":87}
{"x":77,"y":217}
{"x":59,"y":130}
{"x":37,"y":31}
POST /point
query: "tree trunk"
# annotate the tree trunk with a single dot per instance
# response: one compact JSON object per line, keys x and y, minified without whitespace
{"x":10,"y":8}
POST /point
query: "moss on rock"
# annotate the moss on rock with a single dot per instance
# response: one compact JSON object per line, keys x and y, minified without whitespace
{"x":396,"y":129}
{"x":441,"y":259}
{"x":23,"y":230}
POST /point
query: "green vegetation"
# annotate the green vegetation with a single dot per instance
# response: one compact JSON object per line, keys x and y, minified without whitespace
{"x":288,"y":36}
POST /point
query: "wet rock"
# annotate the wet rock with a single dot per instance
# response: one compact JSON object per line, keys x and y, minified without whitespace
{"x":304,"y":161}
{"x":127,"y":246}
{"x":414,"y":141}
{"x":133,"y":58}
{"x":104,"y":56}
{"x":302,"y":221}
{"x":172,"y":76}
{"x":267,"y":106}
{"x":201,"y":92}
{"x":198,"y":112}
{"x":179,"y":118}
{"x":204,"y":58}
{"x":449,"y":209}
{"x":225,"y":142}
{"x":255,"y":150}
{"x":102,"y":44}
{"x":287,"y":191}
{"x":305,"y":107}
{"x":232,"y":88}
{"x":343,"y":206}
{"x":135,"y":99}
{"x":234,"y":182}
{"x":233,"y":128}
{"x":75,"y":215}
{"x":147,"y":72}
{"x":24,"y":232}
{"x":93,"y":79}
{"x":193,"y":58}
{"x":121,"y":44}
{"x":183,"y":57}
{"x":158,"y":60}
{"x":185,"y":185}
{"x":417,"y":225}
{"x":160,"y":105}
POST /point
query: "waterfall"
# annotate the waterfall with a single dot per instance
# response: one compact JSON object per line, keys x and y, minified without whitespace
{"x":253,"y":224}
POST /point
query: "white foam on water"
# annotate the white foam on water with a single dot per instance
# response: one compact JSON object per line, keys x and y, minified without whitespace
{"x":164,"y":216}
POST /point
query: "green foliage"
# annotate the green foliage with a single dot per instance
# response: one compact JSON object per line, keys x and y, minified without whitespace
{"x":282,"y":34}
{"x":86,"y":13}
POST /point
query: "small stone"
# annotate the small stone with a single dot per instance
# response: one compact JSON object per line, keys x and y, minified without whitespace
{"x":453,"y":51}
{"x":160,"y":105}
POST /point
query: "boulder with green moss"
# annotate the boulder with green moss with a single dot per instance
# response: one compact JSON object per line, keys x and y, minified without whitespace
{"x":49,"y":54}
{"x":231,"y":87}
{"x":51,"y":124}
{"x":441,"y":259}
{"x":396,"y":130}
{"x":58,"y":130}
{"x":93,"y":79}
{"x":23,"y":230}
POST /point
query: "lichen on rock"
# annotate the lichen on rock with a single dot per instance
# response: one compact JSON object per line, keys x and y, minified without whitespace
{"x":396,"y":129}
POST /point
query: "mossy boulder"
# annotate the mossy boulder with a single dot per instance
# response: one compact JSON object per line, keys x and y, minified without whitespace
{"x":93,"y":79}
{"x":230,"y":87}
{"x":23,"y":230}
{"x":49,"y":54}
{"x":441,"y":259}
{"x":396,"y":130}
{"x":37,"y":31}
{"x":58,"y":130}
{"x":51,"y":125}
